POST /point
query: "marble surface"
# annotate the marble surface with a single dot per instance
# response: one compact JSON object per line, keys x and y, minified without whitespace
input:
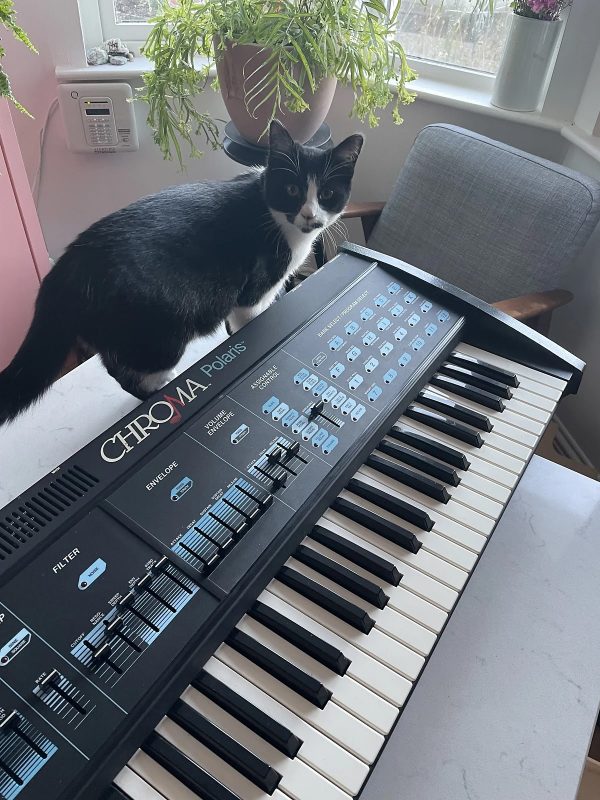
{"x":506,"y":706}
{"x":77,"y":408}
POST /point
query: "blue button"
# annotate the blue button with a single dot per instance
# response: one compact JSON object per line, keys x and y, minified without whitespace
{"x":369,"y":338}
{"x":335,"y":343}
{"x":386,"y":348}
{"x":404,"y":359}
{"x":390,"y":375}
{"x":338,"y":400}
{"x":336,"y":370}
{"x":393,"y":288}
{"x":399,"y":334}
{"x":320,"y":388}
{"x":348,"y":406}
{"x":311,"y":381}
{"x":300,"y":423}
{"x":300,"y":376}
{"x":357,"y":413}
{"x":383,"y":324}
{"x":396,"y":310}
{"x":320,"y":437}
{"x":431,"y":329}
{"x":374,"y":393}
{"x":318,"y":359}
{"x":366,"y":313}
{"x":413,"y":319}
{"x":426,"y":306}
{"x":418,"y":343}
{"x":290,"y":417}
{"x":330,"y":444}
{"x":355,"y":381}
{"x":410,"y":297}
{"x":380,"y":300}
{"x":353,"y":353}
{"x":442,"y":316}
{"x":309,"y":431}
{"x":281,"y":409}
{"x":270,"y":405}
{"x":329,"y":394}
{"x":351,"y":328}
{"x":371,"y":364}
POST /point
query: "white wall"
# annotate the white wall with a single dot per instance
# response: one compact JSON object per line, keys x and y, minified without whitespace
{"x":78,"y":189}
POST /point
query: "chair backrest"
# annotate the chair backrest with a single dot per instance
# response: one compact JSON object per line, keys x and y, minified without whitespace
{"x":484,"y":216}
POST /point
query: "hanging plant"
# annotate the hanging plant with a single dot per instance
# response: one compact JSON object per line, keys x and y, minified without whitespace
{"x":7,"y":19}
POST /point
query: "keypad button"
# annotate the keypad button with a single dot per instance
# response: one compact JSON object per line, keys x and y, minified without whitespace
{"x":366,"y":314}
{"x":270,"y":405}
{"x":399,"y":334}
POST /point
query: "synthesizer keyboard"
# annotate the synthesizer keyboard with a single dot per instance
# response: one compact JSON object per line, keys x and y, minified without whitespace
{"x":232,"y":592}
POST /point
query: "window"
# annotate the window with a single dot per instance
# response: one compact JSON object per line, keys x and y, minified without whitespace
{"x":127,"y":19}
{"x":451,"y":32}
{"x":134,"y":11}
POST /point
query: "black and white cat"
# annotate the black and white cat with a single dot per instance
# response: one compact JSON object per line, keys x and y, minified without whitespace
{"x":139,"y":284}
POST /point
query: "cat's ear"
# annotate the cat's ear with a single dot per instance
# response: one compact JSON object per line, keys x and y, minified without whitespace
{"x":279,"y":138}
{"x":349,"y":149}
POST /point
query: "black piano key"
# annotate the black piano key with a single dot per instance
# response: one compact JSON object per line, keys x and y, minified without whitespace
{"x":473,"y":379}
{"x":354,"y":615}
{"x":431,"y":447}
{"x":222,"y":745}
{"x":442,"y":423}
{"x":114,"y":793}
{"x":401,"y":508}
{"x":360,"y":556}
{"x":361,"y":587}
{"x":389,"y":530}
{"x":310,"y":643}
{"x":447,"y":406}
{"x":426,"y":464}
{"x":254,"y":718}
{"x":277,"y":666}
{"x":463,"y":389}
{"x":489,"y":370}
{"x":185,"y":770}
{"x":409,"y":477}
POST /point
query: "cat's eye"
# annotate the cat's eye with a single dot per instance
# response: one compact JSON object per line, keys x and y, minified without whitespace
{"x":292,"y":190}
{"x":326,"y":194}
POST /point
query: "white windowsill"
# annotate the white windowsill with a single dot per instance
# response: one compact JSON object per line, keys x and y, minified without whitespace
{"x":468,"y":98}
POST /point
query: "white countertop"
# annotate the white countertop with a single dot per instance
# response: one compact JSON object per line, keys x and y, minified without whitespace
{"x":77,"y":408}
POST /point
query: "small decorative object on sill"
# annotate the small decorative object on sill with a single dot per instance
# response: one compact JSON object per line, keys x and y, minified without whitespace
{"x":118,"y":52}
{"x":96,"y":56}
{"x":528,"y":54}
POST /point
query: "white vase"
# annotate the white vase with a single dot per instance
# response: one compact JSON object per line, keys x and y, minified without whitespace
{"x":527,"y":55}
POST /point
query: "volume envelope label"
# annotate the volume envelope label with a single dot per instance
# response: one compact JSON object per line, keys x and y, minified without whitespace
{"x":91,"y":574}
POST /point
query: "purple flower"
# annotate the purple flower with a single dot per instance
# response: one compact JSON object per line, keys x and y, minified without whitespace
{"x":543,"y":6}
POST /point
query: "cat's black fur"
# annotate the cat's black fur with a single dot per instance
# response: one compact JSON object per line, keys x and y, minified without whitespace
{"x":139,"y":284}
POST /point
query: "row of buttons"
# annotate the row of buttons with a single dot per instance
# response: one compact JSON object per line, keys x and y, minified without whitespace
{"x":300,"y":424}
{"x":337,"y":342}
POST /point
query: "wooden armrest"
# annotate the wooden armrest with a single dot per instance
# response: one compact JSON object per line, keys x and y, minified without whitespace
{"x":368,"y":213}
{"x":533,"y":305}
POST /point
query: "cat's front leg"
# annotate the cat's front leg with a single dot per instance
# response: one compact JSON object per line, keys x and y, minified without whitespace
{"x":242,"y":315}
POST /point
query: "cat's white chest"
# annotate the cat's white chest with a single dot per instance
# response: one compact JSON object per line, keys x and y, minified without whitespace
{"x":300,"y":243}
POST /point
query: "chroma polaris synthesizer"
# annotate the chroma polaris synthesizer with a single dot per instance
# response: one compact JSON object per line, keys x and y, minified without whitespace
{"x":232,"y":592}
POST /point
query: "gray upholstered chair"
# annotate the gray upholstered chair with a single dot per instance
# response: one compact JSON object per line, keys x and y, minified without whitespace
{"x":496,"y":221}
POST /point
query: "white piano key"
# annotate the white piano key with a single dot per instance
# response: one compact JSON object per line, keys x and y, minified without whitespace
{"x":481,"y":521}
{"x":387,"y":620}
{"x":488,"y":469}
{"x":525,"y":374}
{"x":135,"y":787}
{"x":320,"y":752}
{"x":377,"y":644}
{"x":368,"y":671}
{"x":298,"y":780}
{"x":530,"y":397}
{"x":211,"y":763}
{"x":159,"y":778}
{"x":333,"y":721}
{"x":353,"y":696}
{"x":401,"y":599}
{"x":414,"y":578}
{"x":510,"y":421}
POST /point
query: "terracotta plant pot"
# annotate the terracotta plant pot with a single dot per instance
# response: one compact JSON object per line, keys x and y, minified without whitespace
{"x":242,"y":66}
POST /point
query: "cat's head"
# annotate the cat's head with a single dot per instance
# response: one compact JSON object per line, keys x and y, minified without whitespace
{"x":305,"y":186}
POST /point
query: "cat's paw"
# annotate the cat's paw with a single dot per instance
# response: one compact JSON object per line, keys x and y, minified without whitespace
{"x":154,"y":381}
